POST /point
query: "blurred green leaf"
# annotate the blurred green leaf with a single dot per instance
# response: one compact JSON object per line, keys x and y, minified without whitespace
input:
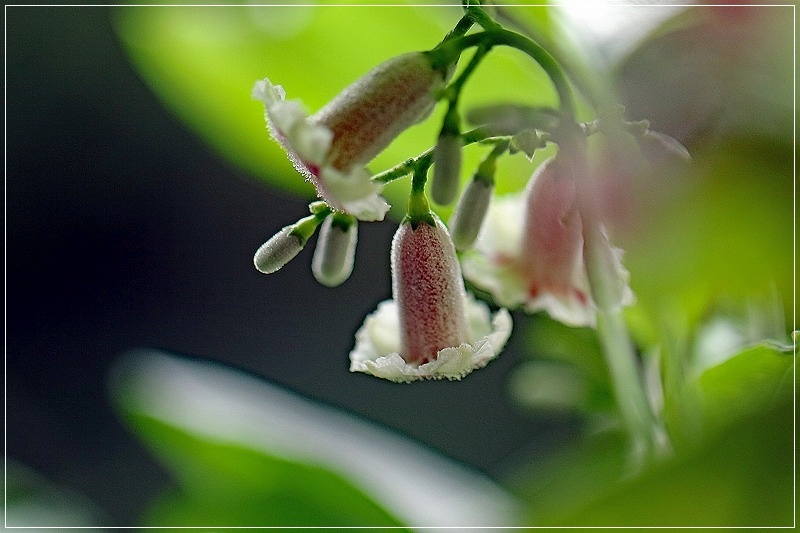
{"x":548,"y":386}
{"x":556,"y":487}
{"x":33,"y":502}
{"x":741,"y":478}
{"x":248,"y":453}
{"x":753,"y":381}
{"x":548,"y":338}
{"x":724,"y":229}
{"x":226,"y":484}
{"x":202,"y":63}
{"x":735,"y":472}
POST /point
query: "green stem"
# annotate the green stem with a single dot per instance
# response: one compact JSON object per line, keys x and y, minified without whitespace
{"x":448,"y":51}
{"x":305,"y":227}
{"x":607,"y":290}
{"x":418,"y":208}
{"x":486,"y":169}
{"x":461,"y":28}
{"x":453,"y":92}
{"x":626,"y":378}
{"x":477,"y":135}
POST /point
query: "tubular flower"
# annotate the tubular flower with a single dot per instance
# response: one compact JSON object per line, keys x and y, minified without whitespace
{"x":539,"y":265}
{"x":332,"y":147}
{"x":431,"y":329}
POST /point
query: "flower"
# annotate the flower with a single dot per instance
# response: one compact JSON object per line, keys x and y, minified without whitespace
{"x":331,"y":147}
{"x":539,"y":264}
{"x":431,"y":329}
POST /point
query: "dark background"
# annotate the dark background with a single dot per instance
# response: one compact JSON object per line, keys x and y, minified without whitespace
{"x":124,"y":231}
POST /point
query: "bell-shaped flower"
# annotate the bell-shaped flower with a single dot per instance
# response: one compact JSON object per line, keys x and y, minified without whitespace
{"x":332,"y":147}
{"x":530,"y":251}
{"x":431,"y":329}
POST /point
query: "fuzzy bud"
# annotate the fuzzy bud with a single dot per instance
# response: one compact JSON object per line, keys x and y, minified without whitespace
{"x":334,"y":255}
{"x":429,"y":291}
{"x":466,"y":222}
{"x":278,"y":250}
{"x":446,"y":168}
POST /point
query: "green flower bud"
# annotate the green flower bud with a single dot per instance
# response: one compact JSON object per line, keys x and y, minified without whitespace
{"x":466,"y":222}
{"x":334,"y":255}
{"x":446,"y":168}
{"x":279,"y":250}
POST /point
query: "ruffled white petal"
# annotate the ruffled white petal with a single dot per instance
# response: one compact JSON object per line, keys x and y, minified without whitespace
{"x":289,"y":125}
{"x":308,"y":143}
{"x":377,"y":349}
{"x":492,"y":265}
{"x":354,"y":192}
{"x":267,"y":92}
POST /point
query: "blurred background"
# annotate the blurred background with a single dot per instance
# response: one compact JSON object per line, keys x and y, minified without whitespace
{"x":138,"y":189}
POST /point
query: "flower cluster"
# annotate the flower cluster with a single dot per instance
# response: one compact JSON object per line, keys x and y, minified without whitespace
{"x":331,"y":147}
{"x":544,"y":249}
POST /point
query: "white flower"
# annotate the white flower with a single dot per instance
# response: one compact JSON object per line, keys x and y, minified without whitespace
{"x":378,"y":345}
{"x":530,"y":250}
{"x":431,"y":329}
{"x":331,"y":147}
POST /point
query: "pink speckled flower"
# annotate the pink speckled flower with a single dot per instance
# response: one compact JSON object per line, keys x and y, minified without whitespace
{"x":431,"y":329}
{"x":539,"y":264}
{"x":331,"y":147}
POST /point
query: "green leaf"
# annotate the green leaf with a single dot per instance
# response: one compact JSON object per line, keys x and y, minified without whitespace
{"x":248,"y":453}
{"x":34,"y":502}
{"x":750,"y":382}
{"x":741,"y":478}
{"x":227,"y":484}
{"x":728,"y":231}
{"x":558,"y":486}
{"x":202,"y":63}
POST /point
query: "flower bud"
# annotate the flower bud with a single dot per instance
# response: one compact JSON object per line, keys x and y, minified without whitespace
{"x":278,"y":250}
{"x":552,"y":238}
{"x":466,"y":222}
{"x":331,"y":147}
{"x":431,"y":329}
{"x":446,"y":168}
{"x":428,"y":289}
{"x":367,"y":116}
{"x":334,"y":255}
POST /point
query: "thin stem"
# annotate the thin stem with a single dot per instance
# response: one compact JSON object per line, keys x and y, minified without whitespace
{"x":305,"y":227}
{"x":448,"y":51}
{"x":454,"y":90}
{"x":408,"y":166}
{"x":487,"y":167}
{"x":461,"y":28}
{"x":479,"y":15}
{"x":629,"y":390}
{"x":607,"y":292}
{"x":418,"y":208}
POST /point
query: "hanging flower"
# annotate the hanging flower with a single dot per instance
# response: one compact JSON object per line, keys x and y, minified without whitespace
{"x":331,"y":147}
{"x":538,"y":265}
{"x":431,"y":329}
